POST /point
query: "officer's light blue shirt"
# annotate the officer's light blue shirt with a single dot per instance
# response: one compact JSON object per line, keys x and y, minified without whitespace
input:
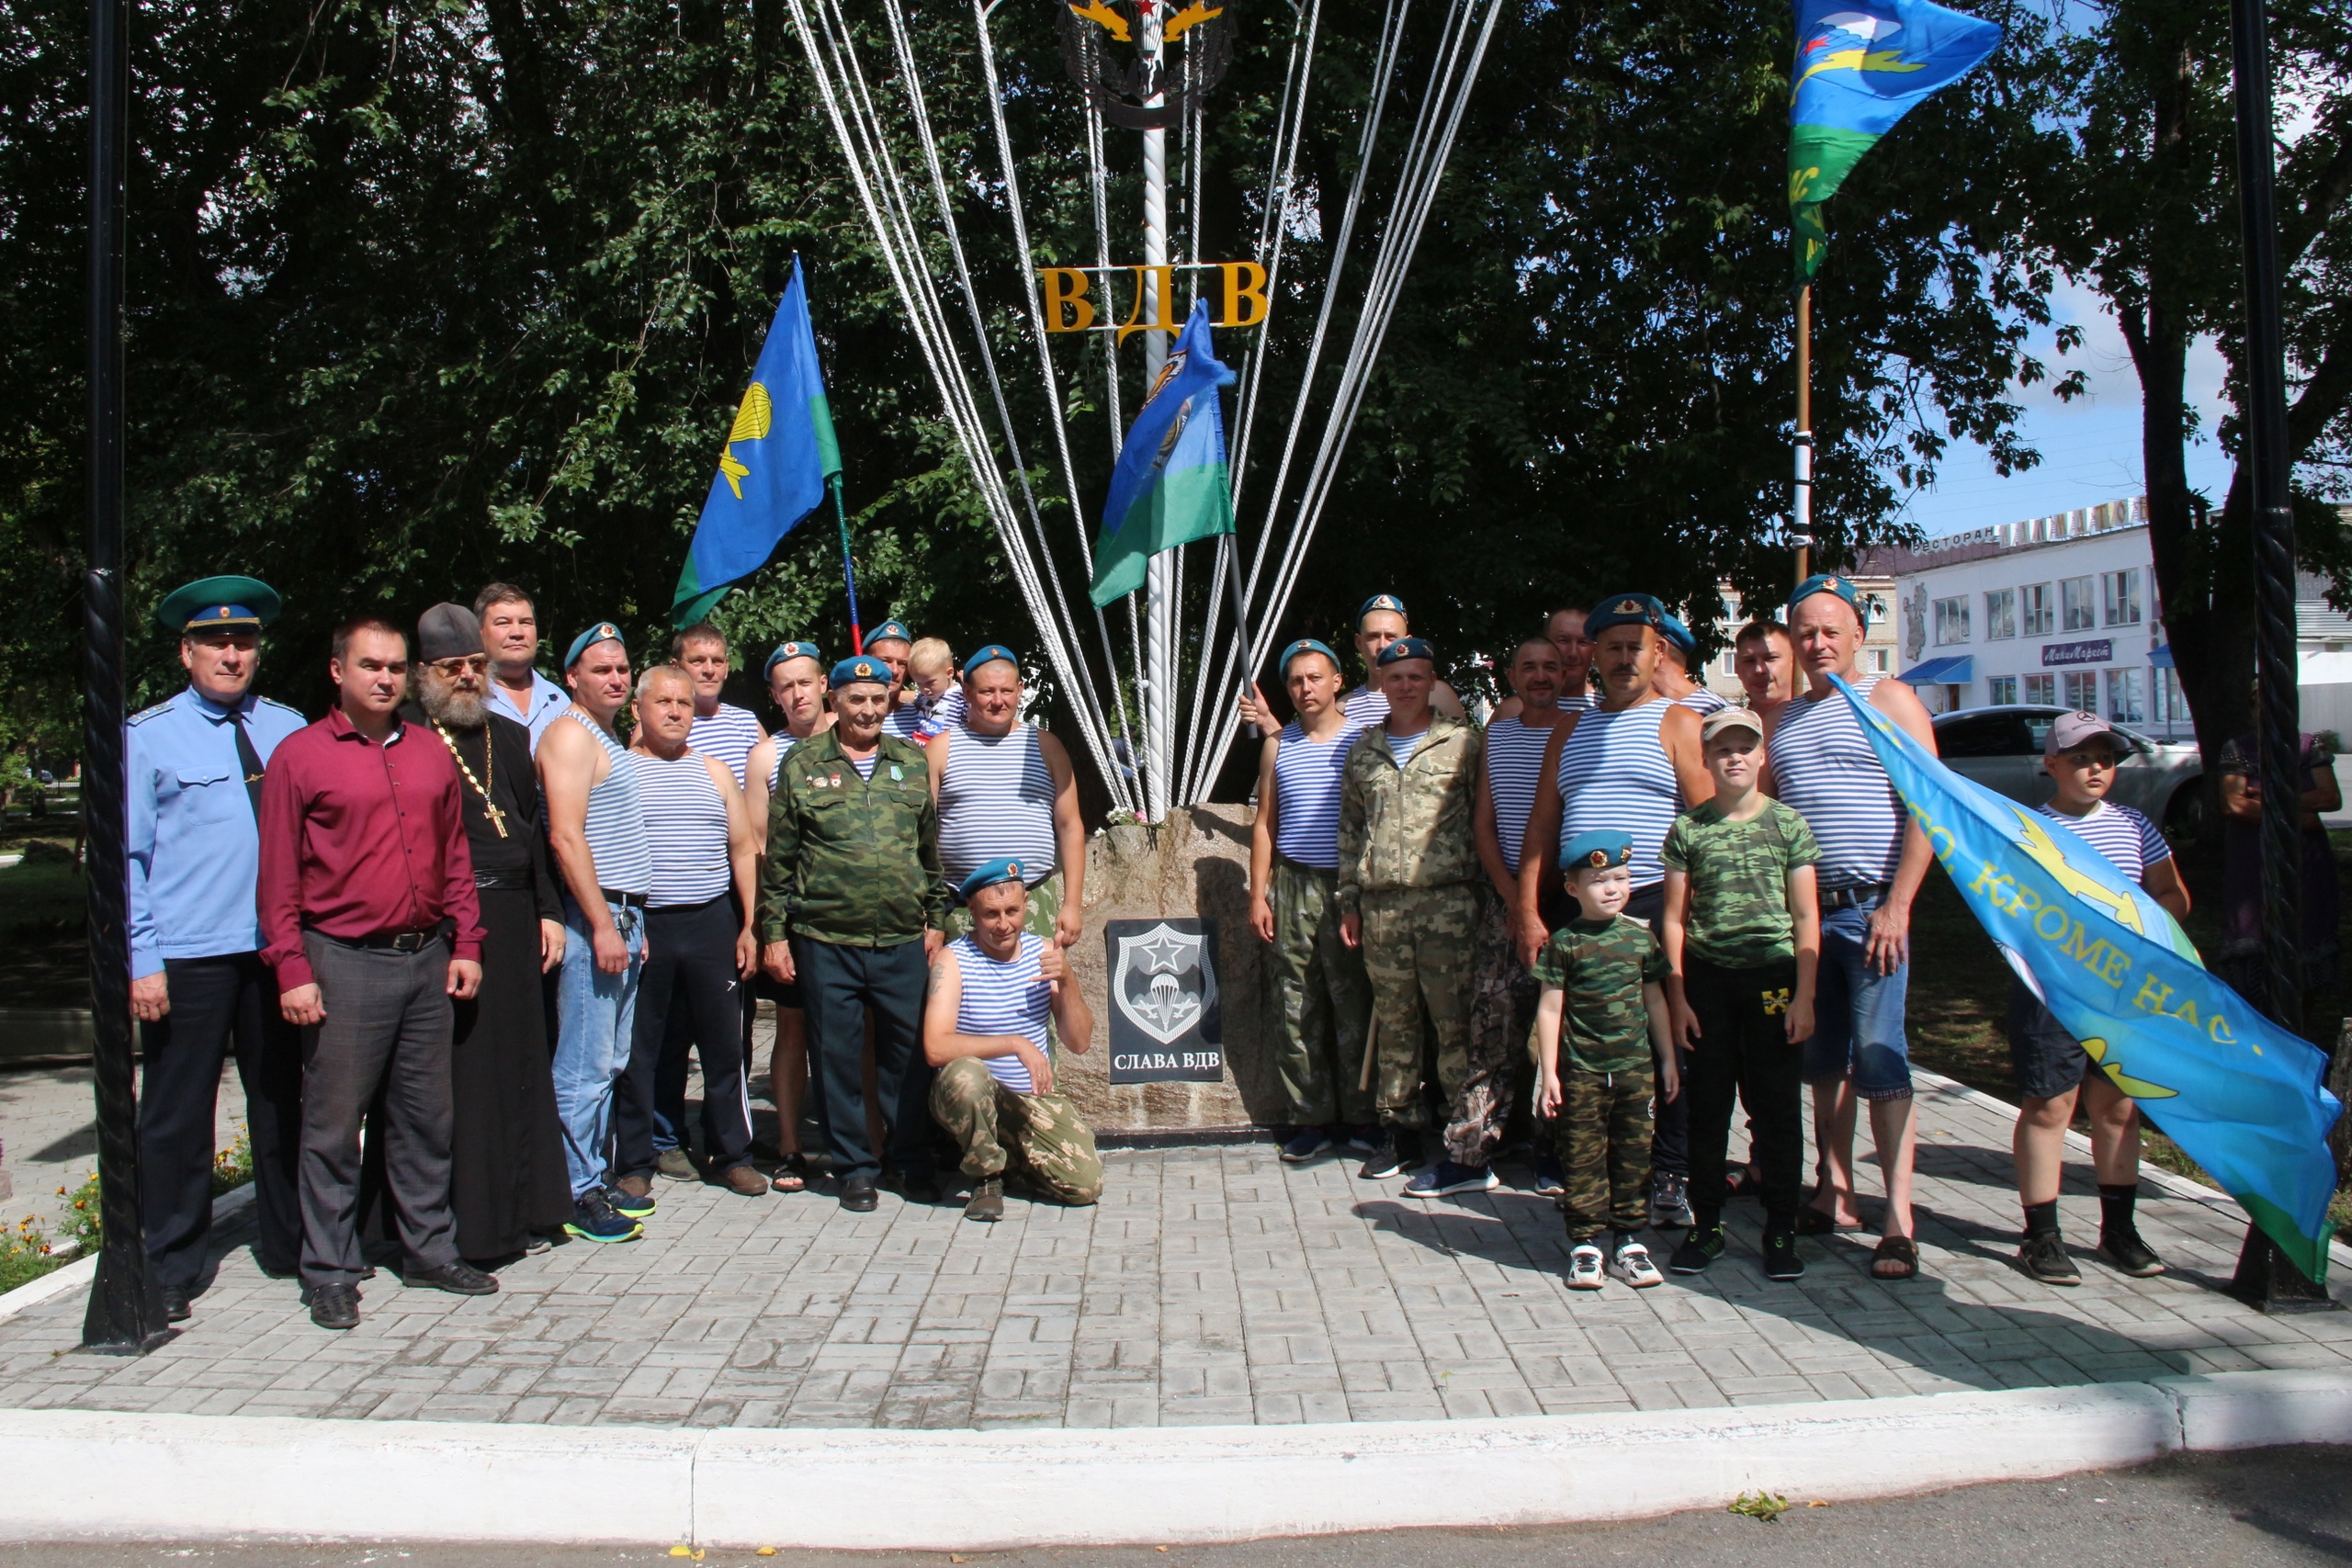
{"x":195,"y":849}
{"x":547,"y":705}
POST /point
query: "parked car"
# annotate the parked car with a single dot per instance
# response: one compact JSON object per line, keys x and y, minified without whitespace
{"x":2000,"y":748}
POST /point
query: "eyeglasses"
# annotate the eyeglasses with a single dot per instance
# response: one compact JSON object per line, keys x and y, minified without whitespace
{"x":474,"y":663}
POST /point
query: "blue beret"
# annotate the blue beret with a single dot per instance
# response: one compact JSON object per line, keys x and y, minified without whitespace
{"x":1671,"y":628}
{"x":1625,"y":610}
{"x":1406,"y":648}
{"x":1603,"y":847}
{"x":1307,"y":644}
{"x":219,"y":605}
{"x":603,"y":631}
{"x":1826,"y":583}
{"x":988,"y":874}
{"x":1388,"y":602}
{"x":890,"y":631}
{"x":864,"y":668}
{"x":989,"y":655}
{"x":784,"y":650}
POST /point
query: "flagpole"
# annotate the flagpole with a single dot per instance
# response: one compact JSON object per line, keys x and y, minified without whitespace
{"x":1159,"y":572}
{"x":1803,"y":532}
{"x":849,"y":572}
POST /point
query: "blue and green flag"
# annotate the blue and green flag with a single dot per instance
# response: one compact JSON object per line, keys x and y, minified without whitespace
{"x":2240,"y":1095}
{"x":780,"y":456}
{"x":1170,"y":486}
{"x":1859,"y":68}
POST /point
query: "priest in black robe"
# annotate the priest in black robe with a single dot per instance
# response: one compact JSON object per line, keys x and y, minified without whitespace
{"x":508,"y":1186}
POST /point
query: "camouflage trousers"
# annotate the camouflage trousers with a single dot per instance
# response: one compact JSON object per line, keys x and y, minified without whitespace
{"x":1039,"y":1140}
{"x":1045,"y":909}
{"x":1418,"y":945}
{"x":1502,"y":1010}
{"x":1324,"y":999}
{"x":1604,"y":1131}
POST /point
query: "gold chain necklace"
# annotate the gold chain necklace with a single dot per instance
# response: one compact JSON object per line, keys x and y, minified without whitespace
{"x":488,"y":768}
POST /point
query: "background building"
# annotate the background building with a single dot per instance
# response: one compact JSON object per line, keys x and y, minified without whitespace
{"x":1877,"y":592}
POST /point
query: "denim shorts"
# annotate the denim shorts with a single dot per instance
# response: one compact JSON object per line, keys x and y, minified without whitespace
{"x":1857,"y":1013}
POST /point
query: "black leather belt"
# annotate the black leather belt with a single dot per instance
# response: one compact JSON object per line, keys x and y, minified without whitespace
{"x":626,"y":900}
{"x":390,"y":942}
{"x":1847,"y":897}
{"x":517,"y":880}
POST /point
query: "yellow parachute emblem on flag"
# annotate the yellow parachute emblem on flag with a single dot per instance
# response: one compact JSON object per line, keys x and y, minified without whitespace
{"x":751,"y":422}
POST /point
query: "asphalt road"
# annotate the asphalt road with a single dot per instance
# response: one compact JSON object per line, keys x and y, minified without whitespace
{"x":2276,"y":1507}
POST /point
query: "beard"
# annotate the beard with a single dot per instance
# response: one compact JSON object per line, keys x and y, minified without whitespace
{"x":447,"y":705}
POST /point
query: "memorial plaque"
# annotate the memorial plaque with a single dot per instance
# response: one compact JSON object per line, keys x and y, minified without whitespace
{"x":1164,"y":1021}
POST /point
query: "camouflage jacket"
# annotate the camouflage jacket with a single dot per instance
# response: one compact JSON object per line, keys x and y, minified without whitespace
{"x":851,"y":861}
{"x":1409,"y":827}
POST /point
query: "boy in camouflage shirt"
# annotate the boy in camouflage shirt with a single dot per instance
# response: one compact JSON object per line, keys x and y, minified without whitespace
{"x":1602,"y":1008}
{"x":1743,"y":934}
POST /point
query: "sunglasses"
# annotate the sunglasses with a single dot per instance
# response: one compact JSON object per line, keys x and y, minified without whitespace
{"x":475,"y":663}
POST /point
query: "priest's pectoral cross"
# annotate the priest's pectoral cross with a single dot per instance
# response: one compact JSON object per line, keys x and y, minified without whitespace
{"x":497,"y":817}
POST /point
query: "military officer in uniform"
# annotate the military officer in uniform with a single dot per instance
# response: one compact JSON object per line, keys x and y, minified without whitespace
{"x":198,"y":985}
{"x":851,"y":903}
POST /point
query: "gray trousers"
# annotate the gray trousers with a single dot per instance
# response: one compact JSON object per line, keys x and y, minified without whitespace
{"x":389,"y":1021}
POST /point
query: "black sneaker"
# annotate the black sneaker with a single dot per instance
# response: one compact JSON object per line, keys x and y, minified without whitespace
{"x":593,"y":1219}
{"x":2044,"y":1258}
{"x":1305,"y":1144}
{"x":1399,"y":1152}
{"x":1780,"y":1260}
{"x":631,"y":1195}
{"x":1699,"y":1249}
{"x":2127,"y":1254}
{"x":1669,"y":1202}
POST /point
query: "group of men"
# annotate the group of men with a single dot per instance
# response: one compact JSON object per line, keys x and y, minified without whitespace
{"x":464,"y":934}
{"x":1405,"y":869}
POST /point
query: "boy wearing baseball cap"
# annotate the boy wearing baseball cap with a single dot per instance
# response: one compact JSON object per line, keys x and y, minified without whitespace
{"x":1603,"y":1010}
{"x":1743,"y":935}
{"x":2080,"y":756}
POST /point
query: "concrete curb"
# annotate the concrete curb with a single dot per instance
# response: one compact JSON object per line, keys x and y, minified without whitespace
{"x":83,"y":1475}
{"x":77,"y":1275}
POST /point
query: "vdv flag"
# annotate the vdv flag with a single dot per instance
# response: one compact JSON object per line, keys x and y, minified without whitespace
{"x":779,"y":457}
{"x":2240,"y":1095}
{"x":1170,"y":486}
{"x":1859,"y":68}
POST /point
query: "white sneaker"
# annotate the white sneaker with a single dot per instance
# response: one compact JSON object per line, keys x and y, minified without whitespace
{"x":1632,"y":1265}
{"x":1585,"y":1270}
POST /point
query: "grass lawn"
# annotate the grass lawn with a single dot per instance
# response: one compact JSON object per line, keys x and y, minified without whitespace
{"x":1959,"y":991}
{"x":43,"y":903}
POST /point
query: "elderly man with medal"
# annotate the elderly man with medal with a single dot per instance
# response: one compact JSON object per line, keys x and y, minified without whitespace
{"x":506,"y":1177}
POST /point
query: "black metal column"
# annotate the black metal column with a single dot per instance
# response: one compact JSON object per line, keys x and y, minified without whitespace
{"x":126,"y":1315}
{"x":2264,"y":1274}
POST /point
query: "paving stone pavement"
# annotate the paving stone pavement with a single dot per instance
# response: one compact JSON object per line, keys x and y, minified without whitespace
{"x":1211,"y":1286}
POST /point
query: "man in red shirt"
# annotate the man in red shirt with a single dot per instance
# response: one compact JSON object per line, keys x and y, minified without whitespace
{"x":369,"y":918}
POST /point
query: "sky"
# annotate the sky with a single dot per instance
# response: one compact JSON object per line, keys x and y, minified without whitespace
{"x":2090,"y":447}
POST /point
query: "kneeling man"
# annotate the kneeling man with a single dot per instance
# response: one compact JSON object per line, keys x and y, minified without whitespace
{"x":984,"y":1029}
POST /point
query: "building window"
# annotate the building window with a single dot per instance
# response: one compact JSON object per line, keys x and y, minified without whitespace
{"x":1952,"y":621}
{"x":2081,"y":607}
{"x":2127,"y":695}
{"x":2000,"y":614}
{"x":2172,"y":703}
{"x":2034,"y":610}
{"x":2001,"y":689}
{"x":2121,"y":591}
{"x":2043,"y":689}
{"x":2082,"y":689}
{"x":1731,"y":666}
{"x":1878,"y":661}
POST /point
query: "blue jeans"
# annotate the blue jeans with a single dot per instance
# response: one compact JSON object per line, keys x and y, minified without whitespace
{"x":595,"y":1017}
{"x":1857,"y":1013}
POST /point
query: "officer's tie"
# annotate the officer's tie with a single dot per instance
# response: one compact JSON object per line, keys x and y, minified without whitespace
{"x":248,"y":759}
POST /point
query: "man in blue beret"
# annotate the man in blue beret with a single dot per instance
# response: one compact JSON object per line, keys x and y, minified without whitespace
{"x":1873,"y":858}
{"x":796,"y":675}
{"x":1678,"y":662}
{"x":603,"y":857}
{"x":198,"y":987}
{"x":993,"y":991}
{"x":1408,"y":868}
{"x":851,"y":900}
{"x":893,"y":642}
{"x":1380,"y":620}
{"x":1006,"y":788}
{"x":1630,"y":762}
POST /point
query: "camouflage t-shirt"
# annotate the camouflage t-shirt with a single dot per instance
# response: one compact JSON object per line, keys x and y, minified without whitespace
{"x":1602,"y":967}
{"x":1739,"y":882}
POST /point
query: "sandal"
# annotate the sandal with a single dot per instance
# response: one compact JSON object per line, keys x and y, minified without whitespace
{"x":1897,"y":1249}
{"x":792,"y":1174}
